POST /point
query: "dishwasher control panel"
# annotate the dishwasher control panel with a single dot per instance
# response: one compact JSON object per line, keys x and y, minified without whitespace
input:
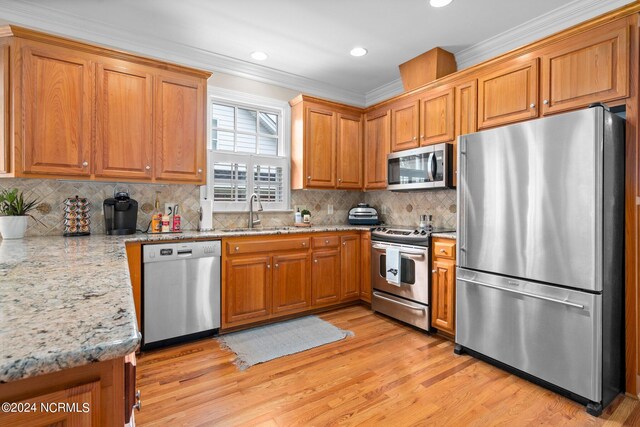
{"x":162,"y":252}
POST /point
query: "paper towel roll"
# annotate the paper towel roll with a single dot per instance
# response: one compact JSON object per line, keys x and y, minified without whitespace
{"x":206,"y":215}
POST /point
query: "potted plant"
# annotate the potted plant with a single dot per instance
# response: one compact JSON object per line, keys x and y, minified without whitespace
{"x":14,"y":213}
{"x":306,"y":216}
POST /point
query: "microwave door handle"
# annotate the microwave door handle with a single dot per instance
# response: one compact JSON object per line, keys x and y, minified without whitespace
{"x":429,"y":167}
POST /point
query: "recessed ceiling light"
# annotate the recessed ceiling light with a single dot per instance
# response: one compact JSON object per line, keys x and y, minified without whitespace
{"x":259,"y":56}
{"x":358,"y":51}
{"x":439,"y":3}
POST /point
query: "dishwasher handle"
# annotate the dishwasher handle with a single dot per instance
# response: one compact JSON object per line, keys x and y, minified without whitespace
{"x":165,"y":252}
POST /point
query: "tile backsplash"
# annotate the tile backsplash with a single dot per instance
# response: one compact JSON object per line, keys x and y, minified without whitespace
{"x":394,"y":208}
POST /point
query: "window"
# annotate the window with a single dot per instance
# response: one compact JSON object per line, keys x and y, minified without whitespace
{"x":247,"y":154}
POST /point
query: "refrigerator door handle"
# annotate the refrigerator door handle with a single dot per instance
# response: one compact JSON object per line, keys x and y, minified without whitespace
{"x":527,"y":294}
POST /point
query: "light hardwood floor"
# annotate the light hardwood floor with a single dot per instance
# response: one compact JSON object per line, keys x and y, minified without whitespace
{"x":387,"y":374}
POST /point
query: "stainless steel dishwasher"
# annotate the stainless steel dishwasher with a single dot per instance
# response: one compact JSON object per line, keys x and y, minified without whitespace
{"x":180,"y":292}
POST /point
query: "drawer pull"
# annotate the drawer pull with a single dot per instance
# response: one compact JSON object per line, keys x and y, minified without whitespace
{"x":442,"y":251}
{"x":237,"y":248}
{"x":434,"y":271}
{"x":326,"y":242}
{"x":304,"y":243}
{"x":315,"y":260}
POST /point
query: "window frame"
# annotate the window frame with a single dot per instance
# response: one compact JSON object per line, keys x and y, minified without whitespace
{"x":252,"y":102}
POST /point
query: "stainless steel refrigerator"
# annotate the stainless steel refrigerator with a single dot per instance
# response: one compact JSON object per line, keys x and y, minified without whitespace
{"x":540,"y":277}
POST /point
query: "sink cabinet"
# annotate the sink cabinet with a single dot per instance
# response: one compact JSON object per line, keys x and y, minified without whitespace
{"x":267,"y":278}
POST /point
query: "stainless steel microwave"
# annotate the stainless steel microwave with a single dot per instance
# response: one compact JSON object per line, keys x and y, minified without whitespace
{"x":421,"y":168}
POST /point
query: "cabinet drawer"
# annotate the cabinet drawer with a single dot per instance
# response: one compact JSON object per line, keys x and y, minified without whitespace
{"x":325,"y":242}
{"x":444,"y":249}
{"x":255,"y":246}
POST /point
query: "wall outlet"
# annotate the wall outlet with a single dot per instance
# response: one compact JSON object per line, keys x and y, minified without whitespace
{"x":385,"y":210}
{"x":330,"y":209}
{"x":168,"y":208}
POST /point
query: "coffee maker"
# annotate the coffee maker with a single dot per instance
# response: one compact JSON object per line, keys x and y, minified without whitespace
{"x":120,"y":214}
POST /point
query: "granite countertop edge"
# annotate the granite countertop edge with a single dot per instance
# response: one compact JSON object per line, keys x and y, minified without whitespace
{"x":446,"y":235}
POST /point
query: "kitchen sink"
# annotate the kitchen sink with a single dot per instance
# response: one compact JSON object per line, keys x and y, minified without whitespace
{"x":255,"y":229}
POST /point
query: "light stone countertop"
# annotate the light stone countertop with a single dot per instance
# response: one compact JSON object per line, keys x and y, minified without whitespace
{"x":67,"y":302}
{"x":446,"y":235}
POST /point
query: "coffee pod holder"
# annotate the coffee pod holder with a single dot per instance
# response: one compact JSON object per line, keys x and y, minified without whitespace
{"x":77,"y":217}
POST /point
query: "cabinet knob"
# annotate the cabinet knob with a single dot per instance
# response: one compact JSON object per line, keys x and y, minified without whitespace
{"x":147,"y":167}
{"x":237,"y":248}
{"x":315,"y":260}
{"x":344,"y":243}
{"x":309,"y":177}
{"x":442,"y":251}
{"x":199,"y":170}
{"x":304,"y":243}
{"x":268,"y":265}
{"x":532,"y":105}
{"x":277,"y":265}
{"x":326,"y":242}
{"x":422,"y":136}
{"x":545,"y":102}
{"x":138,"y":394}
{"x":339,"y":179}
{"x":414,"y":138}
{"x":85,"y":164}
{"x":434,"y":271}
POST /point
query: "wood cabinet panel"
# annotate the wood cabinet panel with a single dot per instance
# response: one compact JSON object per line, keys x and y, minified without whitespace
{"x":508,"y":93}
{"x":443,"y":288}
{"x":377,"y":145}
{"x":57,"y":97}
{"x":247,"y":296}
{"x":265,"y":244}
{"x":444,"y":248}
{"x":124,"y":144}
{"x":350,"y":267}
{"x":5,"y":111}
{"x":365,"y":266}
{"x":320,"y":147}
{"x":325,"y":242}
{"x":180,"y":146}
{"x":589,"y":67}
{"x":291,"y":282}
{"x":437,"y":116}
{"x":325,"y":277}
{"x":466,"y":98}
{"x":349,"y":151}
{"x":405,"y":125}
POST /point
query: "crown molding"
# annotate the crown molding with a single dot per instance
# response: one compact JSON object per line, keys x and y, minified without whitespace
{"x":384,"y":92}
{"x":542,"y":26}
{"x":45,"y":18}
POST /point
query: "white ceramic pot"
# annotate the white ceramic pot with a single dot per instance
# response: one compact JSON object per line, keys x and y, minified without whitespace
{"x":13,"y":227}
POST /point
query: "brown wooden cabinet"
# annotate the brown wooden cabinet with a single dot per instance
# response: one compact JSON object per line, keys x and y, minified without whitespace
{"x":365,"y":266}
{"x":180,"y":130}
{"x":74,"y":110}
{"x":443,"y":285}
{"x":349,"y":151}
{"x":326,"y":144}
{"x":508,"y":93}
{"x":325,"y":277}
{"x":436,"y":116}
{"x":291,"y":282}
{"x":466,"y":97}
{"x":124,"y":131}
{"x":589,"y":67}
{"x":350,"y":267}
{"x":247,"y":296}
{"x":377,"y":133}
{"x":405,"y":125}
{"x":57,"y":95}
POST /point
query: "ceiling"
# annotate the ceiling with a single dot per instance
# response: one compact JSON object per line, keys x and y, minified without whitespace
{"x":307,"y":41}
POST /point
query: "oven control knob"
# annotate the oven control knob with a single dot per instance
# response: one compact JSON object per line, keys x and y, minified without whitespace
{"x":423,"y":232}
{"x":416,"y":232}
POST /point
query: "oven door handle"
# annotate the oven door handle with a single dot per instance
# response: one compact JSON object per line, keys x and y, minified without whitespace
{"x":402,"y":251}
{"x":413,"y":307}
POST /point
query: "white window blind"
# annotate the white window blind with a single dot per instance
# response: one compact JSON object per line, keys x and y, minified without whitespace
{"x":247,"y":154}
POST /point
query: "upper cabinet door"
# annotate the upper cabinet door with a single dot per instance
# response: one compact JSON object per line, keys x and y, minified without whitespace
{"x":508,"y":94}
{"x":5,"y":111}
{"x":377,"y":144}
{"x":180,"y":148}
{"x":405,"y":125}
{"x":124,"y":131}
{"x":320,"y":147}
{"x":57,"y":100}
{"x":590,"y":67}
{"x":465,"y":117}
{"x":349,"y":152}
{"x":436,"y":124}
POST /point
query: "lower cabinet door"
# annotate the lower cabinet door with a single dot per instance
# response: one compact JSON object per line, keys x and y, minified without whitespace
{"x":247,"y":292}
{"x":291,"y":282}
{"x":365,"y":267}
{"x":350,"y":267}
{"x":443,"y":295}
{"x":325,"y":277}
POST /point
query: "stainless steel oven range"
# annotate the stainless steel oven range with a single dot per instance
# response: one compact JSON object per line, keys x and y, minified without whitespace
{"x":406,"y":299}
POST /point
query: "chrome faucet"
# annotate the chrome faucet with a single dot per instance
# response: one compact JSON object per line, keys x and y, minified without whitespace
{"x":253,"y":221}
